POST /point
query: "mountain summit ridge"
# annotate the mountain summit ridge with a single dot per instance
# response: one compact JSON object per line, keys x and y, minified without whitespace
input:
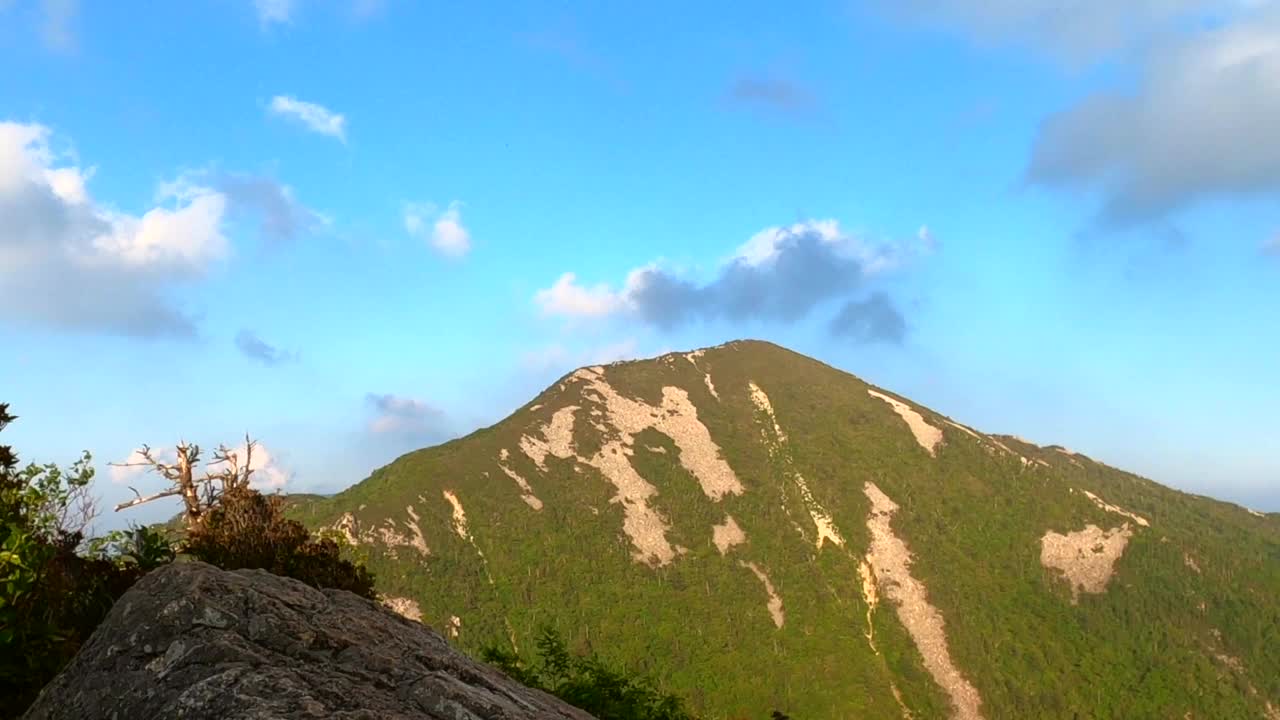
{"x":760,"y":529}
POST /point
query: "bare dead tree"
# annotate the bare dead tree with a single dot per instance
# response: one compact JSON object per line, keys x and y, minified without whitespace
{"x":200,"y":494}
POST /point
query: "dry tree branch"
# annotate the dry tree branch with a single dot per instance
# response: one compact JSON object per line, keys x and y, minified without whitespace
{"x":199,"y":494}
{"x":140,"y":500}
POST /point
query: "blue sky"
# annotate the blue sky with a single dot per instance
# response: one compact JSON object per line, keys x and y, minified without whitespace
{"x":348,"y":227}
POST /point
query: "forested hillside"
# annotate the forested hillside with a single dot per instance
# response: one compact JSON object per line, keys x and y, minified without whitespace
{"x":758,"y":530}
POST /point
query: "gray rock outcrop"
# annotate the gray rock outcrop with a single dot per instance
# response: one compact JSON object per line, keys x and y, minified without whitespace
{"x":195,"y":642}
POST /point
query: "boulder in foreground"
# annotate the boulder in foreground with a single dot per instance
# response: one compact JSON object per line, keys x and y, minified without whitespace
{"x":192,"y":641}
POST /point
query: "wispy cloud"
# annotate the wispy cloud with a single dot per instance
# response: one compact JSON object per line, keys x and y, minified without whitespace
{"x":364,"y":9}
{"x":56,"y":25}
{"x":315,"y":117}
{"x":259,"y":350}
{"x":1076,"y":33}
{"x":403,"y":415}
{"x":771,"y":94}
{"x":568,"y":43}
{"x":1271,"y":246}
{"x":281,"y":215}
{"x":274,"y":12}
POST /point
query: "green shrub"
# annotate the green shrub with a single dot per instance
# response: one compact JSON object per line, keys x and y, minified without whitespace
{"x":587,"y":683}
{"x":249,"y":530}
{"x":52,"y":596}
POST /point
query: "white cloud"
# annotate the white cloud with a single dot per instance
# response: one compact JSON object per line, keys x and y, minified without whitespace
{"x":566,"y":297}
{"x":316,"y":117}
{"x":135,"y":465}
{"x":272,"y":12}
{"x":443,"y":230}
{"x":186,"y":238}
{"x":763,"y":247}
{"x":268,"y":473}
{"x":448,"y":235}
{"x":70,"y":262}
{"x":1200,"y":125}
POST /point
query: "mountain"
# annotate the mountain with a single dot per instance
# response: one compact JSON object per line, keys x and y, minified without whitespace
{"x":760,"y":531}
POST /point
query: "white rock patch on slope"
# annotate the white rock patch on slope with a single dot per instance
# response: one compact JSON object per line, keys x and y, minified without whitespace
{"x":964,"y":429}
{"x":890,"y":559}
{"x":419,"y":542}
{"x":558,"y":442}
{"x":677,"y":418}
{"x":822,"y":521}
{"x":1114,"y":509}
{"x":762,"y":403}
{"x":643,"y":525}
{"x":386,"y":534}
{"x":928,"y":436}
{"x":404,"y":607}
{"x":775,"y":603}
{"x":727,"y":534}
{"x":706,"y":376}
{"x":526,"y":490}
{"x":871,"y":598}
{"x":459,"y":515}
{"x":1086,"y":558}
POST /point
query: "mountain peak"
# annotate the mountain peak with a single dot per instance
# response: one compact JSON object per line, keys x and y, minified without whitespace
{"x":718,"y":506}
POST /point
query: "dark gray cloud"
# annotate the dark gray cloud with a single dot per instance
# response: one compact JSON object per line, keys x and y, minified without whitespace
{"x":804,"y":271}
{"x":771,"y":94}
{"x":780,"y":275}
{"x":281,"y":217}
{"x":875,"y":319}
{"x":259,"y":350}
{"x":405,"y":416}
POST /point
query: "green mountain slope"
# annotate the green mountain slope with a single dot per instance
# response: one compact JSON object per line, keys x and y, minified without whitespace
{"x":760,"y":530}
